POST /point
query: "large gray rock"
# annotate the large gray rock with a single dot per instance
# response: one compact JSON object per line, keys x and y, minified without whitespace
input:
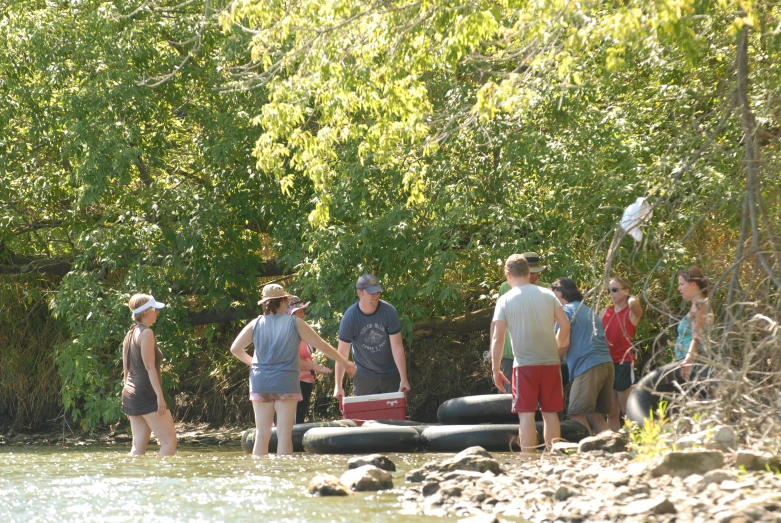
{"x":683,"y":464}
{"x":474,"y":451}
{"x":367,"y":478}
{"x":607,"y":441}
{"x":422,"y":473}
{"x":378,"y":460}
{"x":473,"y":459}
{"x":327,"y":485}
{"x":722,"y":437}
{"x":751,"y":460}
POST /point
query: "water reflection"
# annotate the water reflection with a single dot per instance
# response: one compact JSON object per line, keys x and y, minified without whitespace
{"x":213,"y":484}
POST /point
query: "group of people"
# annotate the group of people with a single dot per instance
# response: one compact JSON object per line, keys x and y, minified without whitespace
{"x":281,"y":369}
{"x":534,"y":329}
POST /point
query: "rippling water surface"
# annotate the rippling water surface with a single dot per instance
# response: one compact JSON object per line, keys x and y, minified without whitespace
{"x":203,"y":484}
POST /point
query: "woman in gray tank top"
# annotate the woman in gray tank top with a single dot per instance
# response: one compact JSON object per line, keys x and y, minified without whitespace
{"x":142,"y":392}
{"x":274,"y":368}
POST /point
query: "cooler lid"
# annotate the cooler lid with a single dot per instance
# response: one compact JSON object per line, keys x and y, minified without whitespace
{"x":374,"y":397}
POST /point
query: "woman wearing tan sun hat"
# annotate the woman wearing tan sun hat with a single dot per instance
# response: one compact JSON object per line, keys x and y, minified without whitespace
{"x":274,"y":368}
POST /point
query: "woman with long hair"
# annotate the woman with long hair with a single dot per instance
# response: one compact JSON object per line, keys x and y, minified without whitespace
{"x":142,"y":393}
{"x":308,"y":367}
{"x":620,"y":323}
{"x":274,"y":368}
{"x":694,"y":287}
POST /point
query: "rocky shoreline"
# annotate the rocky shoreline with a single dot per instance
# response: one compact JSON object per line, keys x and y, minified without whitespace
{"x":602,"y":487}
{"x":191,"y":434}
{"x":597,"y":480}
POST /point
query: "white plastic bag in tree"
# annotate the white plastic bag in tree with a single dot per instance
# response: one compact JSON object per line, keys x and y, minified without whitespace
{"x":634,"y":216}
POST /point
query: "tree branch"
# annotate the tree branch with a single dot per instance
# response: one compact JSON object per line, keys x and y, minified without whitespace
{"x":752,"y":154}
{"x":22,"y":265}
{"x":469,"y":322}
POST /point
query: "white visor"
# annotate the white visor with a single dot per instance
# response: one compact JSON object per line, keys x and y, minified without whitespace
{"x":148,"y":305}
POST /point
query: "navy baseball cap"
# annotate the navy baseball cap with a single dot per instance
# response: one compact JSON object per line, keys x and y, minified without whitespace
{"x":369,"y":283}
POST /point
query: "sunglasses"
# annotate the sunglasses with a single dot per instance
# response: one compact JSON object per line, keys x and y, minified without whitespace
{"x":615,"y":290}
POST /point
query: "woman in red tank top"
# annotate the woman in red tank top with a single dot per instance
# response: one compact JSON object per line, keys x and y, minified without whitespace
{"x":620,"y":323}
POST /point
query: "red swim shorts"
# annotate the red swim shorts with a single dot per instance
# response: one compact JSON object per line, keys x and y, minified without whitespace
{"x":537,"y":384}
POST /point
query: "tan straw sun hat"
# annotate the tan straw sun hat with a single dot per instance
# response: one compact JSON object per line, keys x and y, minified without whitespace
{"x":535,"y":265}
{"x":273,"y":291}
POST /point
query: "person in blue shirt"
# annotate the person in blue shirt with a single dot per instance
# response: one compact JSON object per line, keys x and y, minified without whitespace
{"x":588,"y":359}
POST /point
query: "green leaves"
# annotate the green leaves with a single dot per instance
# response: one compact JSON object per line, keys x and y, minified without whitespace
{"x":420,"y":141}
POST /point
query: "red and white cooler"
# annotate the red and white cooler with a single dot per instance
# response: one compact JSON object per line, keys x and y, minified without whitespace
{"x":392,"y":405}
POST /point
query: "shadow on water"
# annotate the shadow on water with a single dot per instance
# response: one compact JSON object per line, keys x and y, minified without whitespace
{"x":200,"y":484}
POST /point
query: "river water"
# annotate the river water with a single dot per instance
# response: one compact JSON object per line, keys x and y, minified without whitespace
{"x":200,"y":484}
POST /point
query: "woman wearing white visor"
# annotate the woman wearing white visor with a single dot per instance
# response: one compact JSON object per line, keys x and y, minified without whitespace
{"x":142,"y":394}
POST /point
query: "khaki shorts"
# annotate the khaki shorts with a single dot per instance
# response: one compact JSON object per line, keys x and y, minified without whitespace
{"x":592,"y":391}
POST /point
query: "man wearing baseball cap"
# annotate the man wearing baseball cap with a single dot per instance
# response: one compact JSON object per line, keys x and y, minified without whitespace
{"x":372,"y":327}
{"x":535,"y":268}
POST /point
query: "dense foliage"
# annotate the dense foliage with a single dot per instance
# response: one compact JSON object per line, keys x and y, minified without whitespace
{"x":192,"y":150}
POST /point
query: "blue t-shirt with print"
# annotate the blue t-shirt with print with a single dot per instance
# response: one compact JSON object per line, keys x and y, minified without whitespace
{"x":370,"y":335}
{"x":587,"y":344}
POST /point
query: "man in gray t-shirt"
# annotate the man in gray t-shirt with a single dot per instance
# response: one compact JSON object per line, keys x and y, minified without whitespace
{"x":372,"y":327}
{"x":529,"y":312}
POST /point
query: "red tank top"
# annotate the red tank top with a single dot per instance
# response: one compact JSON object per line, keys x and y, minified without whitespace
{"x":619,"y":331}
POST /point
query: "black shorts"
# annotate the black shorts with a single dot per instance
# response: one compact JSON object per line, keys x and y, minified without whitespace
{"x":625,"y":376}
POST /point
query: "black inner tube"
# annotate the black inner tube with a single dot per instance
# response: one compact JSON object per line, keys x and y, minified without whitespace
{"x":472,"y":410}
{"x":362,"y":440}
{"x":493,"y":438}
{"x":648,"y":392}
{"x":248,"y":436}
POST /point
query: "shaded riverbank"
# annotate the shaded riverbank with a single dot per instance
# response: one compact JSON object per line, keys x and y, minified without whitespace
{"x":189,"y":434}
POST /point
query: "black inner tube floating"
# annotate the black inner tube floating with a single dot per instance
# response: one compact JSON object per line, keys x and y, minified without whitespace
{"x":362,"y":440}
{"x":647,"y":393}
{"x":493,"y":438}
{"x":248,"y":436}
